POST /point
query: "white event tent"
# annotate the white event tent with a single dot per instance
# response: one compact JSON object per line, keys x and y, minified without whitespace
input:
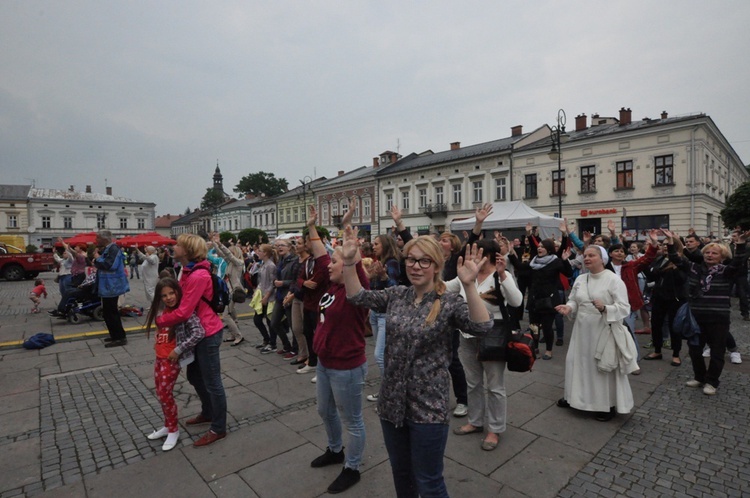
{"x":513,"y":214}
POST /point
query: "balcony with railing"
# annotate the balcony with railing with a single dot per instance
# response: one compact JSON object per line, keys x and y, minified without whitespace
{"x":437,"y":209}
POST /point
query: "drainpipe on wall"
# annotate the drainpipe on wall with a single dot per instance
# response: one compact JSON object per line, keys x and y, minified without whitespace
{"x":510,"y":173}
{"x":692,"y":176}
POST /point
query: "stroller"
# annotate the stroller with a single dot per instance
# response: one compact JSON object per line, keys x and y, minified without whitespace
{"x":84,"y":301}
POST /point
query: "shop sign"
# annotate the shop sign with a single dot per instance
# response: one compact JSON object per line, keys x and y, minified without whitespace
{"x":593,"y":212}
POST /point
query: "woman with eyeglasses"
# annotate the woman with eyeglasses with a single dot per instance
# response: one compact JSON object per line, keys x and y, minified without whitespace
{"x":414,"y":394}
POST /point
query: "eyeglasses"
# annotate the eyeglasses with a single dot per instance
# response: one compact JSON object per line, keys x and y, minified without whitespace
{"x":424,"y":263}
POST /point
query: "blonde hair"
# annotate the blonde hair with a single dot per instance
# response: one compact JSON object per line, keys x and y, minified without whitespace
{"x":455,"y":241}
{"x":268,"y":249}
{"x":194,"y":245}
{"x":432,"y":250}
{"x":726,"y":253}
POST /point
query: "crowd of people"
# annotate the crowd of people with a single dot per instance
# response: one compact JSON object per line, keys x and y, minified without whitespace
{"x":428,"y":301}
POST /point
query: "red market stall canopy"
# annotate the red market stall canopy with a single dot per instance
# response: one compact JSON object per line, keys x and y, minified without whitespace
{"x":146,"y":239}
{"x":81,"y":239}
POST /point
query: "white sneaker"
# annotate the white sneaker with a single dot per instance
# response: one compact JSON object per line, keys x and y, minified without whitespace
{"x":306,"y":369}
{"x":707,"y":352}
{"x":158,"y":434}
{"x":461,"y":410}
{"x":709,"y":390}
{"x":735,"y":357}
{"x":172,"y":439}
{"x":694,"y":383}
{"x":372,"y":397}
{"x":314,"y":380}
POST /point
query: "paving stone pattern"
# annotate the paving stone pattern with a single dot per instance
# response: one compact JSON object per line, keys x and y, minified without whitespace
{"x":679,"y":443}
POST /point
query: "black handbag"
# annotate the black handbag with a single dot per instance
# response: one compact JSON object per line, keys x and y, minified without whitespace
{"x":543,"y":305}
{"x":492,"y":347}
{"x":239,"y":295}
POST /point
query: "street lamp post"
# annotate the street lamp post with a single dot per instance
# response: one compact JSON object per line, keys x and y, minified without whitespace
{"x":559,"y":137}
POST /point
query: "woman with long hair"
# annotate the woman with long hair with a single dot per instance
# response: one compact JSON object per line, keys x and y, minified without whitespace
{"x":384,"y":273}
{"x":234,"y":270}
{"x":266,"y":276}
{"x":413,"y":404}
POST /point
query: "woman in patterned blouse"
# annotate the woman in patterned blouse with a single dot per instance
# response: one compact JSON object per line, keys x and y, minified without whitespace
{"x":413,"y":400}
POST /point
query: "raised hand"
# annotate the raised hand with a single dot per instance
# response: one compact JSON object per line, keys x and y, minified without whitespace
{"x":500,"y":265}
{"x":564,"y":226}
{"x":347,"y":218}
{"x":483,"y":212}
{"x":611,"y":226}
{"x":468,"y":269}
{"x":529,"y":227}
{"x":312,"y":216}
{"x":350,"y":246}
{"x":586,"y":237}
{"x":653,"y":235}
{"x":395,"y":214}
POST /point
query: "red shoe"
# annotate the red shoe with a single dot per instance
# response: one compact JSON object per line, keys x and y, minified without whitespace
{"x":643,"y":331}
{"x":290,"y":355}
{"x":208,"y":438}
{"x":282,"y":351}
{"x":200,"y":419}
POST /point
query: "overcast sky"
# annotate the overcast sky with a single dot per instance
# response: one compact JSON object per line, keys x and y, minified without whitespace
{"x":150,"y":94}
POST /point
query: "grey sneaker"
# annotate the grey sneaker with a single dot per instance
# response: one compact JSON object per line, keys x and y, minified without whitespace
{"x":694,"y":383}
{"x":461,"y":410}
{"x":709,"y":390}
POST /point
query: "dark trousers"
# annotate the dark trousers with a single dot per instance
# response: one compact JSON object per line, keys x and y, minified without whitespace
{"x":741,"y":287}
{"x":309,"y":324}
{"x":456,"y":369}
{"x":416,"y":454}
{"x":258,"y":321}
{"x":664,"y":310}
{"x":112,"y":318}
{"x":280,"y":324}
{"x":714,"y":334}
{"x":545,"y":320}
{"x":204,"y":374}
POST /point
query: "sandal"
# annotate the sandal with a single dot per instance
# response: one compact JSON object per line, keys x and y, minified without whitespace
{"x":676,"y":362}
{"x":653,"y":356}
{"x":489,"y":445}
{"x":462,"y":431}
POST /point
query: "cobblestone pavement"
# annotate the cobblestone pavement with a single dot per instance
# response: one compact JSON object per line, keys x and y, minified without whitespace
{"x":76,"y":414}
{"x":679,"y":443}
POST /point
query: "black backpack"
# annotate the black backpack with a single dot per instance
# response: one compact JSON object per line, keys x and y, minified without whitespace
{"x":220,"y":296}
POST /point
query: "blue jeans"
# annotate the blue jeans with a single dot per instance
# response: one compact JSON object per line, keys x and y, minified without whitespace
{"x":377,"y":322}
{"x":204,"y":374}
{"x":416,"y":454}
{"x":340,"y":399}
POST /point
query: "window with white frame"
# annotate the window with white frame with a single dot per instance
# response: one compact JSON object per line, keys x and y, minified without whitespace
{"x":282,"y":219}
{"x":123,"y":223}
{"x":67,"y":222}
{"x":324,"y":213}
{"x":530,"y":184}
{"x":558,"y":182}
{"x":46,"y":222}
{"x":366,"y":207}
{"x":273,"y":216}
{"x":457,"y":193}
{"x":664,"y":170}
{"x":266,"y":218}
{"x":357,"y":205}
{"x":237,"y":223}
{"x":405,"y":200}
{"x":388,"y":202}
{"x":296,"y":214}
{"x":141,"y":223}
{"x":344,"y":205}
{"x":439,"y":195}
{"x":501,"y":190}
{"x":588,"y":179}
{"x":477,"y":191}
{"x":422,"y":197}
{"x":12,"y":221}
{"x":334,"y":208}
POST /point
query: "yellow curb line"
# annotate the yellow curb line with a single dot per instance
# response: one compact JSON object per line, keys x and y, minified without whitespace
{"x":93,"y":334}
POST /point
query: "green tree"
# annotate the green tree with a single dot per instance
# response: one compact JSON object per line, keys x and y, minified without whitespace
{"x":212,"y":198}
{"x":736,"y":212}
{"x":225,"y":237}
{"x":187,"y":211}
{"x":252,"y":235}
{"x":261,"y":183}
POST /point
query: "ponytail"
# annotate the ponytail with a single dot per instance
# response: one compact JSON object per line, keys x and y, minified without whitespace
{"x":435,"y":310}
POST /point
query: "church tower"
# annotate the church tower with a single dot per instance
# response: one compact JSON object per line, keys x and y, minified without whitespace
{"x":218,"y":179}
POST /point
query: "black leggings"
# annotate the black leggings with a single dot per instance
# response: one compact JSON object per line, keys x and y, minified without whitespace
{"x":545,"y":321}
{"x":258,"y":321}
{"x":661,"y":310}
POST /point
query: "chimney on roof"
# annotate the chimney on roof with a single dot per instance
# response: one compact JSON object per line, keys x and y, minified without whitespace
{"x":455,"y":145}
{"x":375,"y":162}
{"x":341,"y":172}
{"x":626,"y":116}
{"x":516,"y":131}
{"x":109,"y":190}
{"x":664,"y":115}
{"x":88,"y":189}
{"x":580,"y":122}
